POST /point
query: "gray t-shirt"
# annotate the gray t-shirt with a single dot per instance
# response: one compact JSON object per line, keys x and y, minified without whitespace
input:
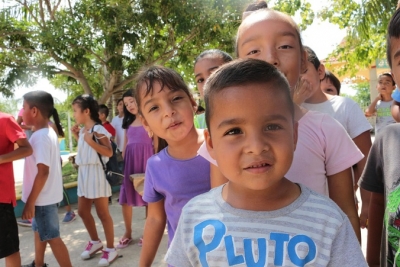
{"x":383,"y":115}
{"x":311,"y":231}
{"x":382,"y":175}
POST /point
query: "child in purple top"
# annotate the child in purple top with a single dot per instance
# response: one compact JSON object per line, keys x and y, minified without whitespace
{"x":176,"y":174}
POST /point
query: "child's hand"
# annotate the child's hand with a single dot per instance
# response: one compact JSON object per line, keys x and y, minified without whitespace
{"x":75,"y":129}
{"x":302,"y":91}
{"x":88,"y":136}
{"x":379,"y":97}
{"x":29,"y":211}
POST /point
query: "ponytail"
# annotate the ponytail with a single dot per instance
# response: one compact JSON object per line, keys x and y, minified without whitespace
{"x":58,"y":123}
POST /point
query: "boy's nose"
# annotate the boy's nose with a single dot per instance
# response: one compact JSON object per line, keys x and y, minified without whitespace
{"x":256,"y":144}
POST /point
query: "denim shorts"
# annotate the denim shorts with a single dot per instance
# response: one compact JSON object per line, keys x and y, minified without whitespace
{"x":46,"y":222}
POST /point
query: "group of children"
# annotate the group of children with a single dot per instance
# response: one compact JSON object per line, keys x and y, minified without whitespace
{"x":270,"y":136}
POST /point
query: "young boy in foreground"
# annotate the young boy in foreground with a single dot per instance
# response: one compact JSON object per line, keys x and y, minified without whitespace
{"x":259,"y":217}
{"x":381,"y":175}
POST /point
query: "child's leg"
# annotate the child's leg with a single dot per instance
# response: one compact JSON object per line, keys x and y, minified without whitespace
{"x":47,"y":230}
{"x":66,"y":199}
{"x":9,"y":240}
{"x":127,"y":214}
{"x":40,"y":249}
{"x":13,"y":260}
{"x":101,"y":205}
{"x":84,"y":207}
{"x":60,"y":252}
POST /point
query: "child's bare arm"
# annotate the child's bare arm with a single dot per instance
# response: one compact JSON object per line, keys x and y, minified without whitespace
{"x":38,"y":184}
{"x":125,"y":142}
{"x":102,"y":146}
{"x":341,"y":191}
{"x":371,"y":109}
{"x":396,"y":111}
{"x":24,"y":149}
{"x":375,"y":222}
{"x":216,"y":177}
{"x":153,"y":232}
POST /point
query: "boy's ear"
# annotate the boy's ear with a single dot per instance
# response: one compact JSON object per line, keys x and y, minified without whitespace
{"x":321,"y":72}
{"x":209,"y":143}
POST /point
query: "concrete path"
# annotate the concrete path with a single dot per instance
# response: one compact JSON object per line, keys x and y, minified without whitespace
{"x":75,"y":237}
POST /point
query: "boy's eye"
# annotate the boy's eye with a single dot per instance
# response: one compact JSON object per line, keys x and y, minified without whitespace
{"x":200,"y":80}
{"x":233,"y":131}
{"x":273,"y":127}
{"x":176,"y":98}
{"x":253,"y":52}
{"x":286,"y":47}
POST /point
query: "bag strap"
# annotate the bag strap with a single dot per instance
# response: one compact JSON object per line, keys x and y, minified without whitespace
{"x":101,"y":160}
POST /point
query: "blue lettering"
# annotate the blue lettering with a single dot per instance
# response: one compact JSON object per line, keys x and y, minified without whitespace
{"x":280,"y":240}
{"x":312,"y":250}
{"x":262,"y":252}
{"x":230,"y":252}
{"x":198,"y":240}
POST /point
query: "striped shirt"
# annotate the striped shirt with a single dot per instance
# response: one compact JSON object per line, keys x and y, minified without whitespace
{"x":311,"y":231}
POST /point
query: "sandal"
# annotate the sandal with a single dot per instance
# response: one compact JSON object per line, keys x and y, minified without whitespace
{"x":124,"y":242}
{"x":140,"y":243}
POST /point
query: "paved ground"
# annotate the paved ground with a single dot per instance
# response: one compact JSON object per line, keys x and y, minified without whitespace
{"x":76,"y":238}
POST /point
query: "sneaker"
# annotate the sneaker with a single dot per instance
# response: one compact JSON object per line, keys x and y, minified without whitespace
{"x":90,"y":250}
{"x":33,"y":265}
{"x":108,"y":257}
{"x":69,"y":217}
{"x":25,"y":223}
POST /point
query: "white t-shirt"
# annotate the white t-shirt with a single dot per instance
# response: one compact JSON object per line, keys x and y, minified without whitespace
{"x":345,"y":111}
{"x":46,"y":151}
{"x":119,"y":132}
{"x":323,"y":149}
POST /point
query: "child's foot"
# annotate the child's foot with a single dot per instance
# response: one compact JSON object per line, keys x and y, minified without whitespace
{"x":140,"y":243}
{"x":124,"y":242}
{"x":33,"y":265}
{"x":69,"y":217}
{"x":108,"y":257}
{"x":91,"y":249}
{"x":25,"y":223}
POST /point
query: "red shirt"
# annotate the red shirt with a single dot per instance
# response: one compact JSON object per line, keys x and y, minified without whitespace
{"x":10,"y":133}
{"x":109,"y":128}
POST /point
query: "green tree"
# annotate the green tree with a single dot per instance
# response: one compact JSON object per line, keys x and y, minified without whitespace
{"x":362,"y":96}
{"x":98,"y":46}
{"x":366,"y":24}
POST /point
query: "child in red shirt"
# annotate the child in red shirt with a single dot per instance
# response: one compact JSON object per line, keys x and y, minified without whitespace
{"x":12,"y":133}
{"x":103,"y":114}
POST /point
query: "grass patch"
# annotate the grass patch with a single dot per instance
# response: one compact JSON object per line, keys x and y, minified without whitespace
{"x":69,"y":173}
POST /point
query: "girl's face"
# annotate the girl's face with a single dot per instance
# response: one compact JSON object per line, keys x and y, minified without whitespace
{"x":269,"y":36}
{"x":328,"y":88}
{"x":203,"y":69}
{"x":169,"y":114}
{"x":80,"y":115}
{"x":130,"y":104}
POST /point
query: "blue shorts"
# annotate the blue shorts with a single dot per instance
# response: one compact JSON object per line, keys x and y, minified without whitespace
{"x":46,"y":222}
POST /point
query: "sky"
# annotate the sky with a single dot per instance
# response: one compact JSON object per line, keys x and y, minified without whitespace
{"x":321,"y":36}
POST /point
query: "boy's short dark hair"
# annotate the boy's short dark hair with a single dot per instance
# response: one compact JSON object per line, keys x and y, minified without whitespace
{"x":393,"y":31}
{"x":334,"y":80}
{"x":103,"y":109}
{"x":312,"y":57}
{"x":243,"y":72}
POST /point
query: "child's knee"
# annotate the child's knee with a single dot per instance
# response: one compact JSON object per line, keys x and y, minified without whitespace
{"x":104,"y":215}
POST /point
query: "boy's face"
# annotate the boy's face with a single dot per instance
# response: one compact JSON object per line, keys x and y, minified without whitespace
{"x":28,"y":114}
{"x":120,"y":107}
{"x":102,"y":116}
{"x":385,"y":85}
{"x":252,"y":141}
{"x":314,"y":76}
{"x":395,"y":56}
{"x":328,"y":88}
